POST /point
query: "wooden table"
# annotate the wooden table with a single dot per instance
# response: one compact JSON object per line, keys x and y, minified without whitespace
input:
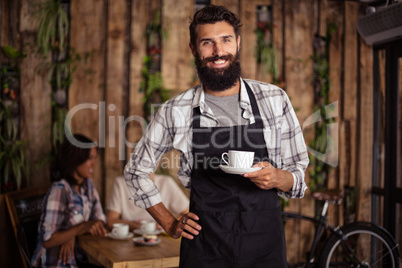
{"x":123,"y":253}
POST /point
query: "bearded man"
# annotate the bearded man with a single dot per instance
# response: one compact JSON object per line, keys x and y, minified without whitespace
{"x":235,"y":218}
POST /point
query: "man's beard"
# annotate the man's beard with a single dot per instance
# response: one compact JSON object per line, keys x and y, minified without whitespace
{"x":218,"y":79}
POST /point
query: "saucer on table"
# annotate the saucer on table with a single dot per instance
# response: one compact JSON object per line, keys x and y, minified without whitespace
{"x":111,"y":235}
{"x":140,"y":241}
{"x":234,"y":170}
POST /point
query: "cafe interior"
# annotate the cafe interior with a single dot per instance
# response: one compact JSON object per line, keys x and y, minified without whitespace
{"x":102,"y":68}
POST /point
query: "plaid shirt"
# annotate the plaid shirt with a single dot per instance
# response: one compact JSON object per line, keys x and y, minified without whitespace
{"x":64,"y":207}
{"x":171,"y":128}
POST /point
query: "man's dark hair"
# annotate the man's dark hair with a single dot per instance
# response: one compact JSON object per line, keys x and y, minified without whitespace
{"x":210,"y":15}
{"x":69,"y":157}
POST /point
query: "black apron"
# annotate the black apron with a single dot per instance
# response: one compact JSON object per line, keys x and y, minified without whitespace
{"x":241,"y":223}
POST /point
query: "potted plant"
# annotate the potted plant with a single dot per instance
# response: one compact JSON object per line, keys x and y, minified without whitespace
{"x":266,"y":53}
{"x":52,"y":39}
{"x":322,"y":141}
{"x":152,"y":83}
{"x":14,"y":165}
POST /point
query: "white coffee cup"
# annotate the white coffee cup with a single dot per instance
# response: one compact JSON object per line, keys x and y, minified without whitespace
{"x":148,"y":227}
{"x":120,"y":229}
{"x":239,"y":159}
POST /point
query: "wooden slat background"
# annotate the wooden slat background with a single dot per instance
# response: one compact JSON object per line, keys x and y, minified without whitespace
{"x":35,"y":99}
{"x":116,"y":85}
{"x":114,"y":32}
{"x":87,"y":34}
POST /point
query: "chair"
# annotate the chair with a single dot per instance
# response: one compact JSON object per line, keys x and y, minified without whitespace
{"x":25,"y":209}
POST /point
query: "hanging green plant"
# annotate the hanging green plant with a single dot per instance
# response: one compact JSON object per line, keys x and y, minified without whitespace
{"x":10,"y":75}
{"x":58,"y":125}
{"x":154,"y":33}
{"x":53,"y":27}
{"x":14,"y":166}
{"x":15,"y":55}
{"x":52,"y":39}
{"x":266,"y":53}
{"x":152,"y":87}
{"x":322,"y":142}
{"x":152,"y":82}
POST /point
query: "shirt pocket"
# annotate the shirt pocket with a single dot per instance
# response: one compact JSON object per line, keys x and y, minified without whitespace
{"x":77,"y":217}
{"x":75,"y":214}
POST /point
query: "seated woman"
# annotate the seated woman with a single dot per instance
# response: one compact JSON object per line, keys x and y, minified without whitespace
{"x":122,"y":210}
{"x":70,"y":208}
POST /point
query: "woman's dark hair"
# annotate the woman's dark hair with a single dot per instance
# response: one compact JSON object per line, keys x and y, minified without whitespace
{"x":70,"y":155}
{"x":210,"y":15}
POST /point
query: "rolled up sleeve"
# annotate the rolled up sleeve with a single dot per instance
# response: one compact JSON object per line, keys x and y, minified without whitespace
{"x":154,"y":144}
{"x":54,"y":212}
{"x":293,"y":151}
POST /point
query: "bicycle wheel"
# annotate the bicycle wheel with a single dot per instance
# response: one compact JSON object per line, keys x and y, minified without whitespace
{"x":362,"y":245}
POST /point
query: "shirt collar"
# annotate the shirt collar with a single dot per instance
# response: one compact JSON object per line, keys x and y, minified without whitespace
{"x":199,"y":98}
{"x":199,"y":101}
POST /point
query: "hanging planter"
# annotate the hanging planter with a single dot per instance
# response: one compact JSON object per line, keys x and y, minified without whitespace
{"x":265,"y":51}
{"x":10,"y":87}
{"x":14,"y":166}
{"x":152,"y":82}
{"x":322,"y":142}
{"x":53,"y":28}
{"x":60,"y":97}
{"x":52,"y":39}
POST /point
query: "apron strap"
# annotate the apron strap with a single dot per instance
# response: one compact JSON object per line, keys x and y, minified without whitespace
{"x":253,"y":101}
{"x":196,"y":117}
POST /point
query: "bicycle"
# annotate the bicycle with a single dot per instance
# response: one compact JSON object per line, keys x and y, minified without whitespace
{"x":358,"y":244}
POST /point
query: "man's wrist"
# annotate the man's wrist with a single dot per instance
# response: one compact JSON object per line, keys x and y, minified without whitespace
{"x":287,"y":181}
{"x":162,"y":216}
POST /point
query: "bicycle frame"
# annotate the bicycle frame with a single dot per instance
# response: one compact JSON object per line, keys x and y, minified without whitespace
{"x":321,"y":225}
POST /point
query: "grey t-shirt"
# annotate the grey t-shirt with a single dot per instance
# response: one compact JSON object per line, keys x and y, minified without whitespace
{"x":226,"y":109}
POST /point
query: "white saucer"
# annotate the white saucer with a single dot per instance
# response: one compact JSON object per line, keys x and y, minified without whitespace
{"x":140,"y":242}
{"x":129,"y":235}
{"x":233,"y":170}
{"x":139,"y":232}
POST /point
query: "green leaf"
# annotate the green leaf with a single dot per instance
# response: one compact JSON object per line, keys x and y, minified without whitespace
{"x":12,"y":53}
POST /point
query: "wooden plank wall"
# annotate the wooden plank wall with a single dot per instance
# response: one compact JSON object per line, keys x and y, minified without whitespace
{"x":35,"y":102}
{"x":87,"y":92}
{"x":365,"y":130}
{"x":141,"y":14}
{"x":176,"y":19}
{"x":299,"y":29}
{"x":114,"y":31}
{"x":17,"y":29}
{"x":331,"y":11}
{"x":116,"y":86}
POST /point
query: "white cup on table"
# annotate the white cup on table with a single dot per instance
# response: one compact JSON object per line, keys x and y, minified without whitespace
{"x":238,"y":159}
{"x":148,"y":227}
{"x":120,"y":230}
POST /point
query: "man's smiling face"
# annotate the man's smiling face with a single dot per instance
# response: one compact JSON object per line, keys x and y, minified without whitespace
{"x":214,"y":41}
{"x":216,"y":54}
